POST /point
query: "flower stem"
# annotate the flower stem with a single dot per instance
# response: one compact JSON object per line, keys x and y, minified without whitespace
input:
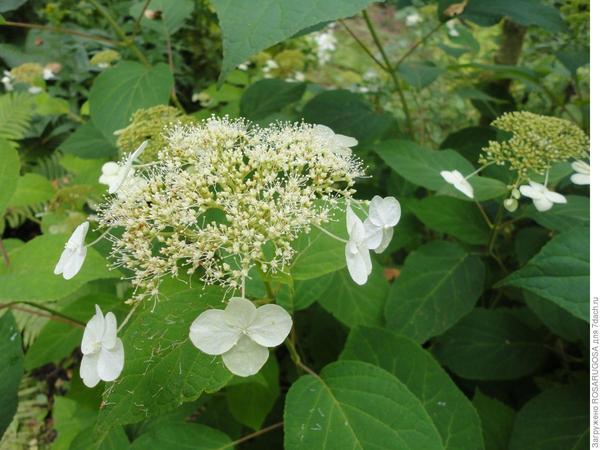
{"x":289,"y":343}
{"x":392,"y":72}
{"x":363,"y":46}
{"x":318,"y":227}
{"x":38,"y":26}
{"x":52,"y":314}
{"x":419,"y":43}
{"x":255,"y":434}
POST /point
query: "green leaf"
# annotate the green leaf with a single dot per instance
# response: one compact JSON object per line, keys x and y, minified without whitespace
{"x":355,"y":305}
{"x":574,"y":213}
{"x":419,"y":75}
{"x":422,"y":166}
{"x":453,"y":216}
{"x":469,"y":141}
{"x":249,"y":27}
{"x":347,"y":113}
{"x":162,"y":367}
{"x":182,"y":436}
{"x":356,"y":405}
{"x":9,"y":172}
{"x":11,"y":368}
{"x":173,"y":14}
{"x":251,"y":399}
{"x":451,"y":412}
{"x":115,"y":439}
{"x":560,"y":272}
{"x":439,"y":283}
{"x":89,"y":143}
{"x":557,"y":319}
{"x":557,"y":419}
{"x":69,"y":418}
{"x":32,"y":189}
{"x":121,"y":90}
{"x":2,"y":20}
{"x":491,"y":345}
{"x":35,"y":261}
{"x":269,"y":96}
{"x":9,"y":5}
{"x":497,"y":421}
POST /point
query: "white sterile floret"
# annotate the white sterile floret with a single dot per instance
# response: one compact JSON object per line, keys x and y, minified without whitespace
{"x":337,"y":143}
{"x":241,"y":333}
{"x":358,"y":259}
{"x":384,"y":215}
{"x":103,"y":354}
{"x":582,"y":175}
{"x":74,"y":254}
{"x":542,"y":197}
{"x":115,"y":175}
{"x":456,"y":179}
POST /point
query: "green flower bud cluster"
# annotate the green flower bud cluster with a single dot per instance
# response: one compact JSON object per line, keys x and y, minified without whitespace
{"x":148,"y":124}
{"x":537,"y":143}
{"x":105,"y":58}
{"x":28,"y":73}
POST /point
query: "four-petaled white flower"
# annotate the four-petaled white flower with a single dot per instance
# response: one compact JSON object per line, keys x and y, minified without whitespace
{"x":582,"y":176}
{"x":241,"y":333}
{"x":384,"y":215}
{"x":103,"y":354}
{"x":114,"y":174}
{"x":337,"y":143}
{"x":456,"y":179}
{"x":73,"y":255}
{"x":542,"y":197}
{"x":358,"y":259}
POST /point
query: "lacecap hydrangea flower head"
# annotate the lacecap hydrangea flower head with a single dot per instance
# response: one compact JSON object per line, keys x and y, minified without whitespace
{"x":223,"y":197}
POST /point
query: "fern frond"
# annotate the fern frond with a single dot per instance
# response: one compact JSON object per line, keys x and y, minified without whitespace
{"x":49,"y":167}
{"x":16,"y":112}
{"x":17,"y":216}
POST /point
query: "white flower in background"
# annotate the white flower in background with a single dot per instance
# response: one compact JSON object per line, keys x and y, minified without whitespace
{"x":337,"y":143}
{"x":7,"y":81}
{"x":456,"y":179}
{"x":115,"y":175}
{"x":244,"y":66}
{"x":269,"y":66}
{"x":103,"y":354}
{"x":74,"y":254}
{"x":34,"y":89}
{"x":542,"y":197}
{"x":326,"y":44}
{"x":48,"y":74}
{"x":451,"y":25}
{"x":384,"y":215}
{"x":241,"y":333}
{"x":582,"y":177}
{"x":358,"y":259}
{"x":413,"y":19}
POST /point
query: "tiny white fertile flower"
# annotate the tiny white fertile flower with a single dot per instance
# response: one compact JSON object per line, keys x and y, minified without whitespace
{"x":542,"y":197}
{"x":413,"y":19}
{"x":114,"y":174}
{"x":384,"y":214}
{"x":74,"y":254}
{"x":103,"y":354}
{"x":456,"y":179}
{"x":358,"y":259}
{"x":7,"y":81}
{"x":337,"y":143}
{"x":582,"y":176}
{"x":241,"y":333}
{"x":48,"y":74}
{"x":34,"y":89}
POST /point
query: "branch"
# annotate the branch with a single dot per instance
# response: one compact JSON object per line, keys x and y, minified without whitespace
{"x":61,"y":30}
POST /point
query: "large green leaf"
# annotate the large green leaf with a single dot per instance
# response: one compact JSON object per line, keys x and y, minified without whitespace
{"x":32,"y":189}
{"x":454,"y":217}
{"x":182,"y":436}
{"x":269,"y":96}
{"x":451,"y":412}
{"x":491,"y":345}
{"x":251,"y":399}
{"x":69,"y":418}
{"x":557,"y":419}
{"x":557,"y":319}
{"x":560,"y":272}
{"x":30,"y":276}
{"x":162,"y":367}
{"x":249,"y":27}
{"x":121,"y":90}
{"x":355,"y":305}
{"x":347,"y":113}
{"x":356,"y":405}
{"x":88,"y":142}
{"x":9,"y":172}
{"x":422,"y":166}
{"x":439,"y":283}
{"x":497,"y":421}
{"x":11,"y":369}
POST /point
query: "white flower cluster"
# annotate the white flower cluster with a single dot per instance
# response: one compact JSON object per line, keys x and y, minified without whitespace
{"x":223,"y":197}
{"x":326,"y":44}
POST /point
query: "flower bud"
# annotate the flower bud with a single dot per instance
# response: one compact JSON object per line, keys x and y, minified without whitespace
{"x":511,"y":204}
